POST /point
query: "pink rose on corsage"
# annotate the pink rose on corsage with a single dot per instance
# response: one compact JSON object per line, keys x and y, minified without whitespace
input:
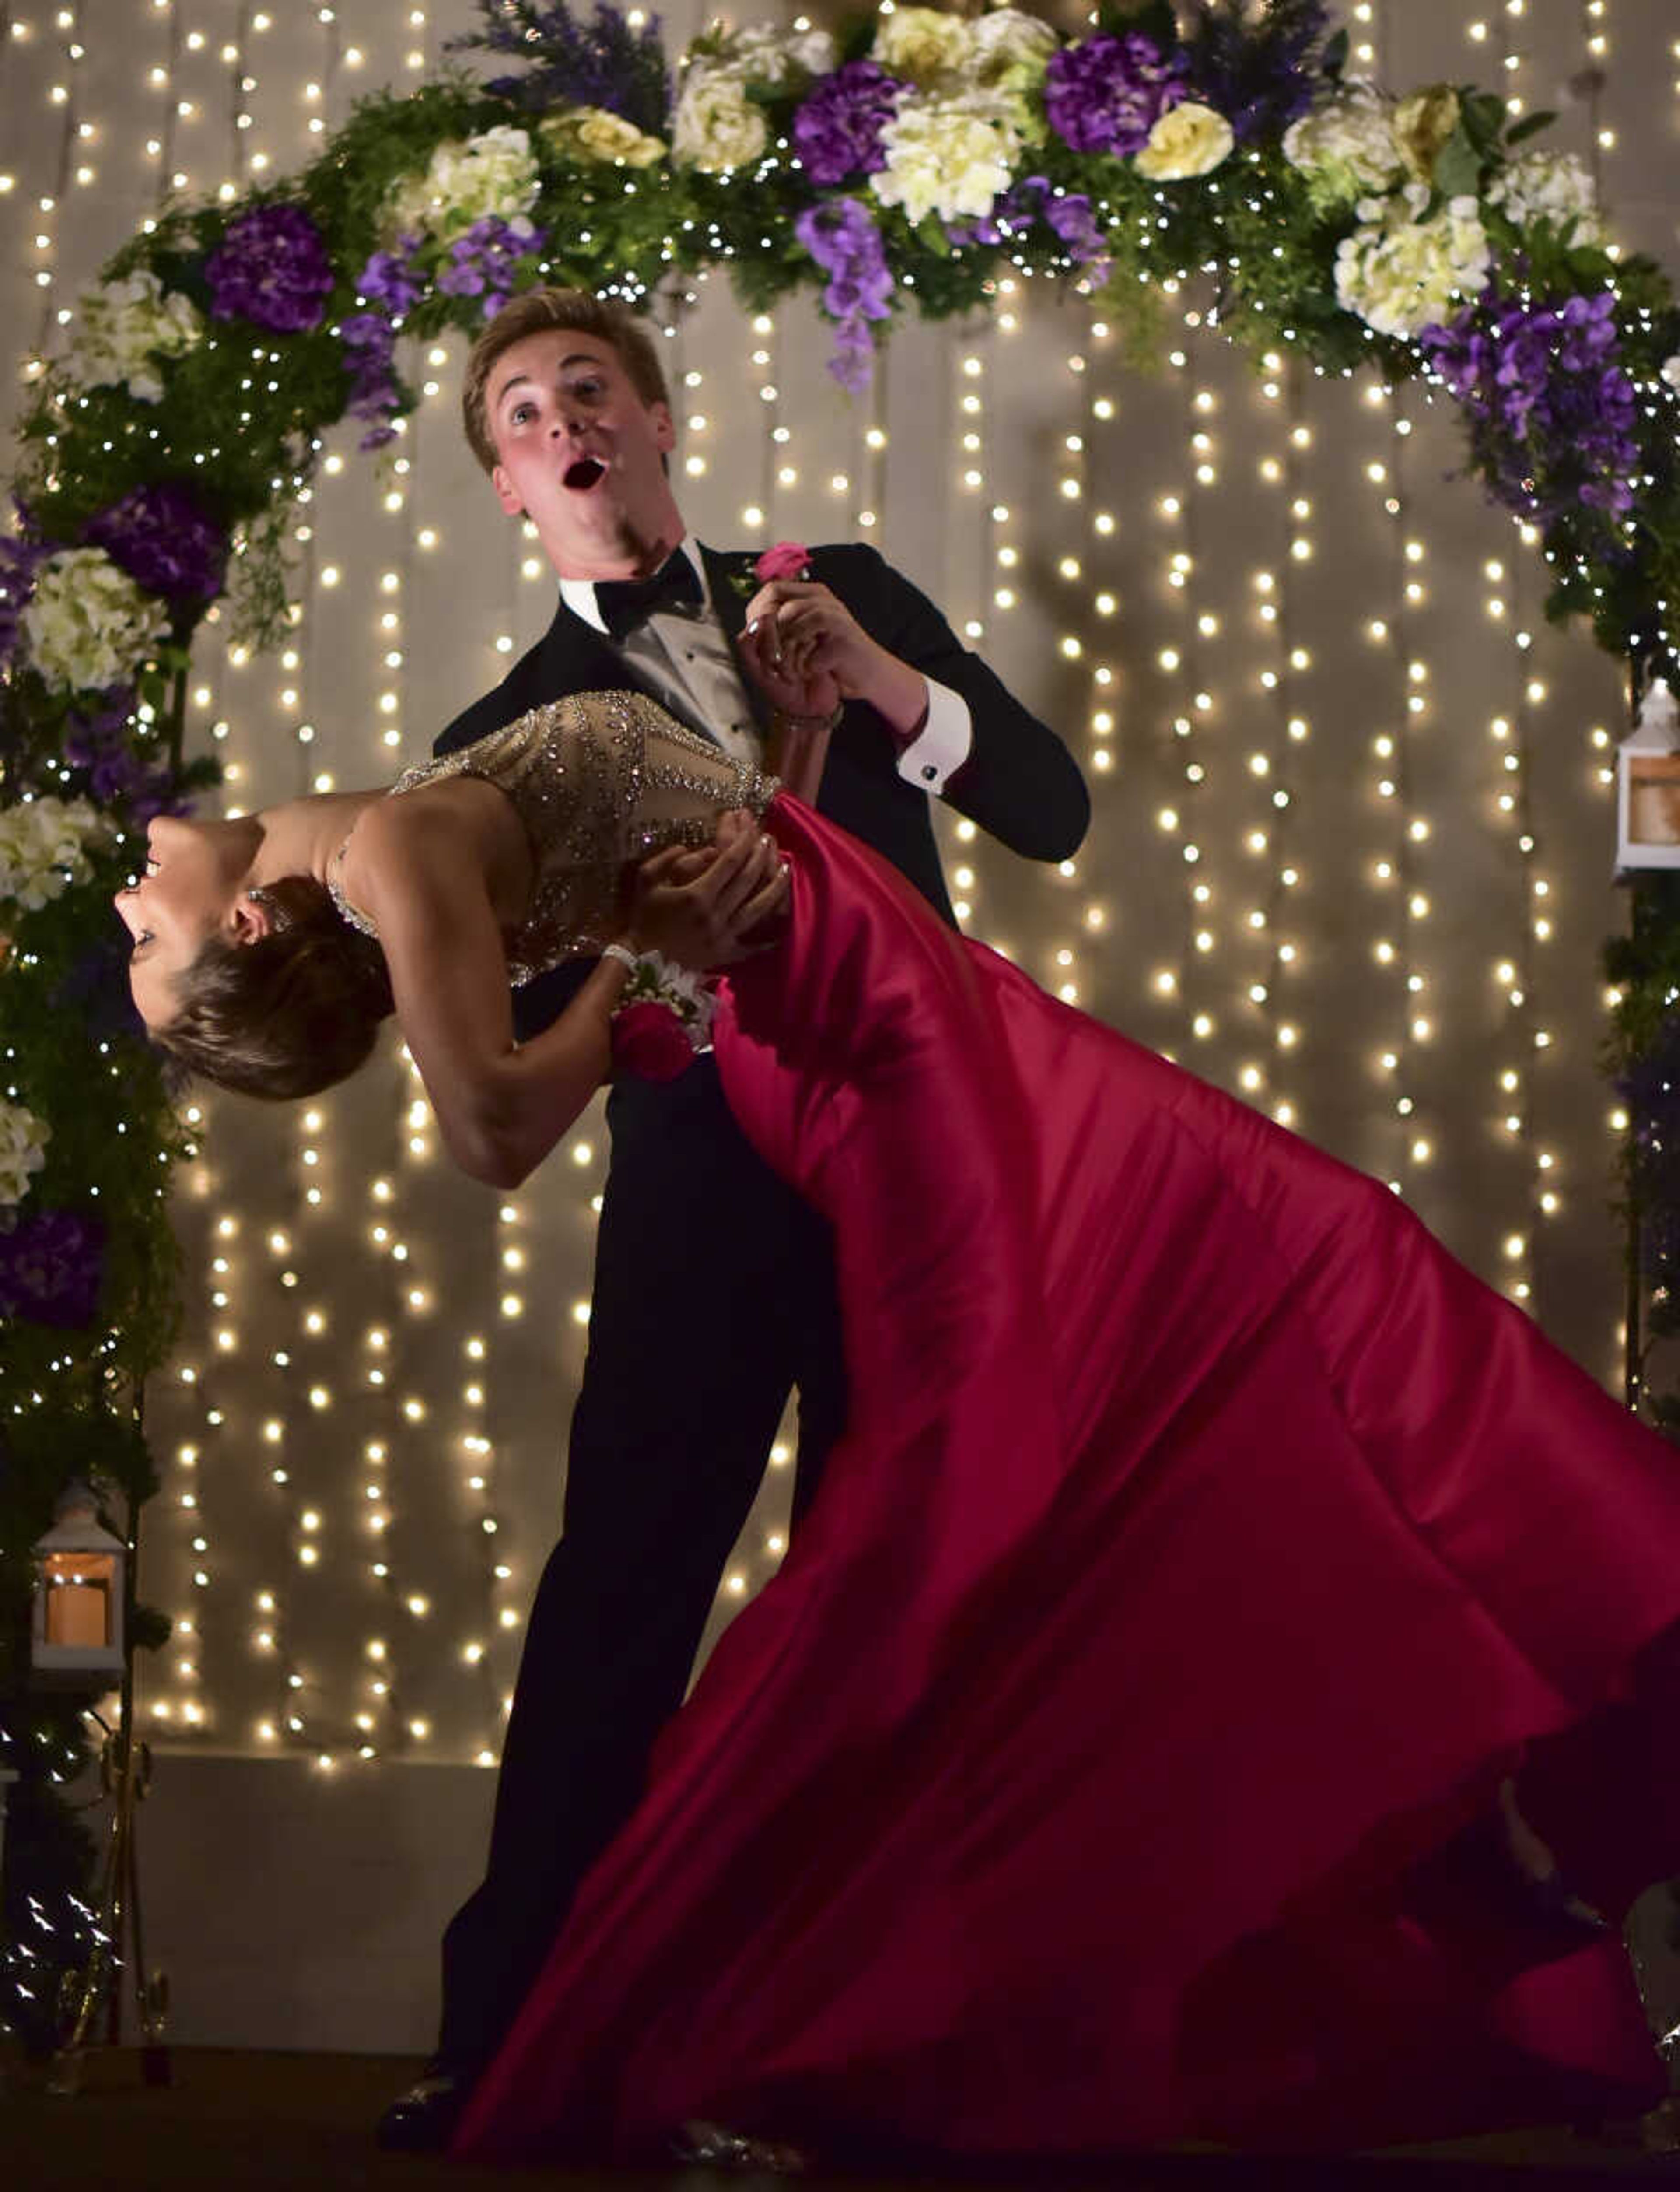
{"x":650,"y":1042}
{"x":787,"y":560}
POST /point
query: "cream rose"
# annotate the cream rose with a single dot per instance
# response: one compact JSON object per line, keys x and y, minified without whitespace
{"x":716,"y":126}
{"x":923,"y":44}
{"x":594,"y":133}
{"x":1187,"y":140}
{"x":87,"y":623}
{"x":1671,"y":371}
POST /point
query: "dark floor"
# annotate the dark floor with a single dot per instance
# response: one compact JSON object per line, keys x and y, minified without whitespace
{"x":238,"y":2119}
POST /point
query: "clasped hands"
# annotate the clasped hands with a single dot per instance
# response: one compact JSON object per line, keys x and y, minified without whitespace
{"x":713,"y":905}
{"x":806,"y":652}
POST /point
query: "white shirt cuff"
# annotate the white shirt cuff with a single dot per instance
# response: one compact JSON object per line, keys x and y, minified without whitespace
{"x":943,"y":745}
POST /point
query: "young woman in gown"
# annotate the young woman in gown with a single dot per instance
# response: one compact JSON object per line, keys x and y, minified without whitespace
{"x":1117,"y":1755}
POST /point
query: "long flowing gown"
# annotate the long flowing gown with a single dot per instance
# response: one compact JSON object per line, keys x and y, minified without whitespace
{"x":1205,"y":1545}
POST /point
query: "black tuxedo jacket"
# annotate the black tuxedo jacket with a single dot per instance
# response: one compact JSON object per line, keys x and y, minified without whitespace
{"x":1019,"y":783}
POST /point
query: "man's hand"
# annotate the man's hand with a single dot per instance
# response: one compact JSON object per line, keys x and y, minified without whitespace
{"x":711,"y":907}
{"x":806,"y":652}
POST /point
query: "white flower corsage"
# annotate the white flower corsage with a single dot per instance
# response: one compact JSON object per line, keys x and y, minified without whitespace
{"x":662,"y":1019}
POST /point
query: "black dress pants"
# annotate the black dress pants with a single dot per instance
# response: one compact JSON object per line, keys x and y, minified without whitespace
{"x":714,"y":1297}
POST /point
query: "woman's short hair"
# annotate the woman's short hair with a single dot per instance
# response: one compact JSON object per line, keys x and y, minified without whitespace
{"x":289,"y":1014}
{"x":583,"y":313}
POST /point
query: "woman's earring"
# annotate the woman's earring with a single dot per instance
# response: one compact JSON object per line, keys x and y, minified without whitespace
{"x":266,"y":902}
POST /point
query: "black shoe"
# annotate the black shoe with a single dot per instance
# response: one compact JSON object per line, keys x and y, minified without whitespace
{"x":423,"y":2119}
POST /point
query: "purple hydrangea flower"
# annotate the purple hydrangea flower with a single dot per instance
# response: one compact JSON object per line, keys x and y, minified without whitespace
{"x":1106,"y":93}
{"x":50,"y":1268}
{"x":845,"y":243}
{"x":19,"y":561}
{"x":837,"y":127}
{"x":99,"y":737}
{"x":375,"y":396}
{"x":272,"y":269}
{"x":1034,"y":197}
{"x":1552,"y":413}
{"x":162,"y":538}
{"x":1070,"y":214}
{"x":389,"y":278}
{"x":484,"y":260}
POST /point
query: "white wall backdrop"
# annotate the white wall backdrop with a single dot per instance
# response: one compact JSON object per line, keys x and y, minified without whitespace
{"x":1351,"y":853}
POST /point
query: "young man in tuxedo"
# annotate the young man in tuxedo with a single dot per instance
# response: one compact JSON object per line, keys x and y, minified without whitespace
{"x":714,"y":1290}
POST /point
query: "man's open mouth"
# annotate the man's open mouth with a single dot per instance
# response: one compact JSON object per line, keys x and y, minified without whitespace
{"x":584,"y":473}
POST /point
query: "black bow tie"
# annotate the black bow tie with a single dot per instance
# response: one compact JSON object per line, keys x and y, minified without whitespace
{"x":624,"y":603}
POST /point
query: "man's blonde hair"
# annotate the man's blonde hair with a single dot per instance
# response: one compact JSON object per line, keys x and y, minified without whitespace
{"x":584,"y":313}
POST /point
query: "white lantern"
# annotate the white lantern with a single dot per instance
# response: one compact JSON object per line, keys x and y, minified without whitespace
{"x":77,"y":1626}
{"x":1648,"y":786}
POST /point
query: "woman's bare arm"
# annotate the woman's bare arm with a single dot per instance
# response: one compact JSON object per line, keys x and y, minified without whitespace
{"x":501,"y":1106}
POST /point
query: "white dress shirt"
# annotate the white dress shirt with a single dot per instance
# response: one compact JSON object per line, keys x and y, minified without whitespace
{"x":682,"y":655}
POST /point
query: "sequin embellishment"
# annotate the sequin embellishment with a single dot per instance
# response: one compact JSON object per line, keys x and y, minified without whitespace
{"x":599,"y":780}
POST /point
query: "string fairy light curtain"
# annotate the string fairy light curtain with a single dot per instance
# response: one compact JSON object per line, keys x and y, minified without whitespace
{"x":1351,"y":854}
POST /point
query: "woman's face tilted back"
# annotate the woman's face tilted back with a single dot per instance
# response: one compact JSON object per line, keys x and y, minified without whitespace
{"x":192,"y":887}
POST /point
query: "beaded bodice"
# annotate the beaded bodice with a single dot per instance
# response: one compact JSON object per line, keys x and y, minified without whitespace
{"x":599,"y":780}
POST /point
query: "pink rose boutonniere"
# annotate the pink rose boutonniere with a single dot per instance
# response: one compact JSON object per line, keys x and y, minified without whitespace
{"x":787,"y":559}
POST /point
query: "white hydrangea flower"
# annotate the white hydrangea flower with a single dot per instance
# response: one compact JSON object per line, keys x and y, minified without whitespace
{"x":924,"y":45}
{"x":951,"y":156}
{"x":1346,"y":146}
{"x":44,"y":848}
{"x":1400,"y":276}
{"x":1554,"y":187}
{"x":23,"y":1151}
{"x":88,"y":624}
{"x":120,"y":330}
{"x":716,"y":127}
{"x":468,"y":178}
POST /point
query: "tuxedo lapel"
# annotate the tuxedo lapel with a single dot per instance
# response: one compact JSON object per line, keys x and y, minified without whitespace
{"x":731,"y":584}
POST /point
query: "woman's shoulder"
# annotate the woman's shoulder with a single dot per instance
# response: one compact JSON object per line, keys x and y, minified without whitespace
{"x":389,"y":837}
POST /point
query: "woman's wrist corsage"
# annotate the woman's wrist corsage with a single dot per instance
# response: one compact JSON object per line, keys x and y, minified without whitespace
{"x":663,"y":1018}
